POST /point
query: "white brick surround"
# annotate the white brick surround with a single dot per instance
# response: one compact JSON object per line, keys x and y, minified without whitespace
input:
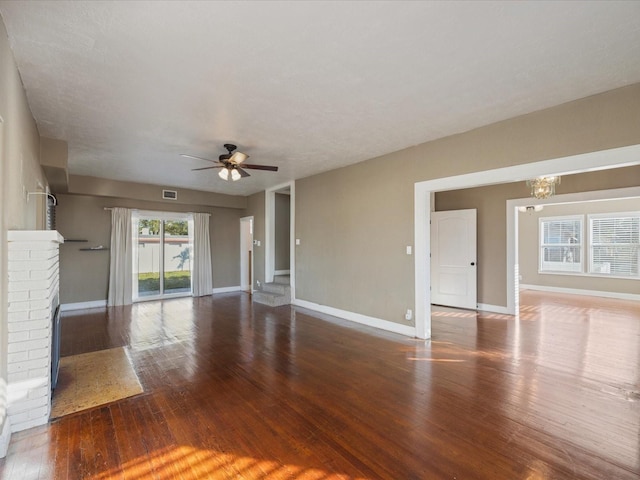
{"x":32,"y":294}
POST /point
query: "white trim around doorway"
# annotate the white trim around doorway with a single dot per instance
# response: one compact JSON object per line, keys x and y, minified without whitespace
{"x":593,"y":161}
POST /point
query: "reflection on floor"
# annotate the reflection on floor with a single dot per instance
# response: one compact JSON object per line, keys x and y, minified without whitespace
{"x":238,"y":390}
{"x":92,"y":379}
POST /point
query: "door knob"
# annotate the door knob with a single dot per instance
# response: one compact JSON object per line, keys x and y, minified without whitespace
{"x":473,"y":263}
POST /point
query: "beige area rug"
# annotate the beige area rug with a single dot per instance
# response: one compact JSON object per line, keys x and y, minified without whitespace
{"x":92,"y":379}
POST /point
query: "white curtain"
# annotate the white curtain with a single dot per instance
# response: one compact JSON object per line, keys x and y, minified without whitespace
{"x":120,"y":271}
{"x":201,"y":268}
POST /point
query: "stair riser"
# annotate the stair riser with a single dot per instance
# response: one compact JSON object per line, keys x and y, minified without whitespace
{"x":271,"y":299}
{"x":276,"y":288}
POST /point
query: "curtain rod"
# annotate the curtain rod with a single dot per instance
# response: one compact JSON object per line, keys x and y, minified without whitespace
{"x":160,"y":211}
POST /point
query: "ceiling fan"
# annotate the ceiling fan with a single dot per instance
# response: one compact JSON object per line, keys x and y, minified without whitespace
{"x":230,"y":164}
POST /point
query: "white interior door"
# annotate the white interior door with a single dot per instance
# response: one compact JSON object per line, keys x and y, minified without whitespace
{"x":453,"y":258}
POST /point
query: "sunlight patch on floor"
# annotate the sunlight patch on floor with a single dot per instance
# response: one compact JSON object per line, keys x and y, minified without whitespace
{"x":189,"y":463}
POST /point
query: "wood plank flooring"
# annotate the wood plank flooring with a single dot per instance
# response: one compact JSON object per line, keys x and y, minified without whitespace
{"x":235,"y":390}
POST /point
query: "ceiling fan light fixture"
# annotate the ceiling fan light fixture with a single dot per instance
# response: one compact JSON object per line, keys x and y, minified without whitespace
{"x":224,"y":174}
{"x":235,"y":175}
{"x":238,"y":157}
{"x":530,"y":208}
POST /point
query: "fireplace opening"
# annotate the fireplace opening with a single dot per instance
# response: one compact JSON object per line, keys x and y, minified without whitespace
{"x":55,"y":344}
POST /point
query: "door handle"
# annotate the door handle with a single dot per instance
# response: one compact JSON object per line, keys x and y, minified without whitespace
{"x":473,"y":264}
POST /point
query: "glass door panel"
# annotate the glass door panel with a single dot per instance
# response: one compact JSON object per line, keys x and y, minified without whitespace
{"x":162,"y":256}
{"x":177,"y":257}
{"x":149,"y":257}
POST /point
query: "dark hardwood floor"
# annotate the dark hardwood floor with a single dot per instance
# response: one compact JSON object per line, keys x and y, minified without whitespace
{"x":235,"y":390}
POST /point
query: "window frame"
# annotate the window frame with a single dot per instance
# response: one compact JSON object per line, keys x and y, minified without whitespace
{"x":542,"y":245}
{"x":612,"y":215}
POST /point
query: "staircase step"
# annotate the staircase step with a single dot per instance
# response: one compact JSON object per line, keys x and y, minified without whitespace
{"x":279,"y":288}
{"x":284,"y":279}
{"x":271,"y":299}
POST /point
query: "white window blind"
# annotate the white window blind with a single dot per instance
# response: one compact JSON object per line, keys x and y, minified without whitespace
{"x":561,"y":244}
{"x":615,"y":242}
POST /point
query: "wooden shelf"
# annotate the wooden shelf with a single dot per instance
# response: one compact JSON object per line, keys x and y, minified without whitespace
{"x":100,"y":249}
{"x":74,"y":240}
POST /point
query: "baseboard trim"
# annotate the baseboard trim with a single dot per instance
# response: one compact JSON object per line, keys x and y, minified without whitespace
{"x":237,"y":288}
{"x":5,"y":437}
{"x":282,"y":272}
{"x":358,"y":318}
{"x":65,"y":307}
{"x":578,"y":291}
{"x":485,"y":307}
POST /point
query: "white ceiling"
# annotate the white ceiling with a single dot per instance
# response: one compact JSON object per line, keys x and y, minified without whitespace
{"x":308,"y":86}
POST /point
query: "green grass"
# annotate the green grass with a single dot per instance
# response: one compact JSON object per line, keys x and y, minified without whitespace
{"x":150,"y":282}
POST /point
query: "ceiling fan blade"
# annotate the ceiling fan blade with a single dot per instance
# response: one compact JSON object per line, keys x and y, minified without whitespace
{"x":207,"y":168}
{"x":238,"y":158}
{"x":260,"y":167}
{"x":243,"y":172}
{"x":197,"y":158}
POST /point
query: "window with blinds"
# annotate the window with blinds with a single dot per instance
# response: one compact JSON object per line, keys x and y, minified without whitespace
{"x":614,"y":244}
{"x":561,"y":246}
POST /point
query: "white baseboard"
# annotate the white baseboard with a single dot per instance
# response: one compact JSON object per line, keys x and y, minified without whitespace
{"x":65,"y":307}
{"x":5,"y":437}
{"x":237,"y":288}
{"x":485,"y":307}
{"x":407,"y":330}
{"x":578,"y":291}
{"x":282,"y":272}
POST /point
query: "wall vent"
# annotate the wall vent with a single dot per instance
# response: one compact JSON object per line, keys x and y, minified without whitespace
{"x":169,"y":194}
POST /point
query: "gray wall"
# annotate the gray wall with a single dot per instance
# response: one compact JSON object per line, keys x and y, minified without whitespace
{"x":19,"y":169}
{"x":529,"y":252}
{"x":84,"y":276}
{"x":282,"y":231}
{"x":355,"y":222}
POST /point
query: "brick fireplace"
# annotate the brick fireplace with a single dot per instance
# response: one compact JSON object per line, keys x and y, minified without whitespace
{"x":33,"y":299}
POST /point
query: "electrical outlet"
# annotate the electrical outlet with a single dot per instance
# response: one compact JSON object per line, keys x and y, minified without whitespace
{"x":258,"y":282}
{"x":408,"y":315}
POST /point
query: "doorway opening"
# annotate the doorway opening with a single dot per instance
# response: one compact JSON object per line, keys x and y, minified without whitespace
{"x":423,"y":206}
{"x":162,"y":253}
{"x":280,"y":233}
{"x":246,"y":254}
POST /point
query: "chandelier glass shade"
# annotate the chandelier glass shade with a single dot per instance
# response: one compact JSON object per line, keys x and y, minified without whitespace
{"x":543,"y":187}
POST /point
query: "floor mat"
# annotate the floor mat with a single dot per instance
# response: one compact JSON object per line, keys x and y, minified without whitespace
{"x":93,"y":379}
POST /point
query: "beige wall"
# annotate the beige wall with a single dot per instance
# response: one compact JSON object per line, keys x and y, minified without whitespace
{"x":353,"y":235}
{"x":84,"y":276}
{"x":492,"y":220}
{"x":19,"y":168}
{"x":529,"y":251}
{"x":282,"y":231}
{"x":83,"y":185}
{"x":355,"y":222}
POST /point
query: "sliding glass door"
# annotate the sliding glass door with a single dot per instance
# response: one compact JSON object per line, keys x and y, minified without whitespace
{"x":162,"y":255}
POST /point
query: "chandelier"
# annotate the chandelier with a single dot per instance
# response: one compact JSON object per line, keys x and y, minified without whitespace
{"x":543,"y":187}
